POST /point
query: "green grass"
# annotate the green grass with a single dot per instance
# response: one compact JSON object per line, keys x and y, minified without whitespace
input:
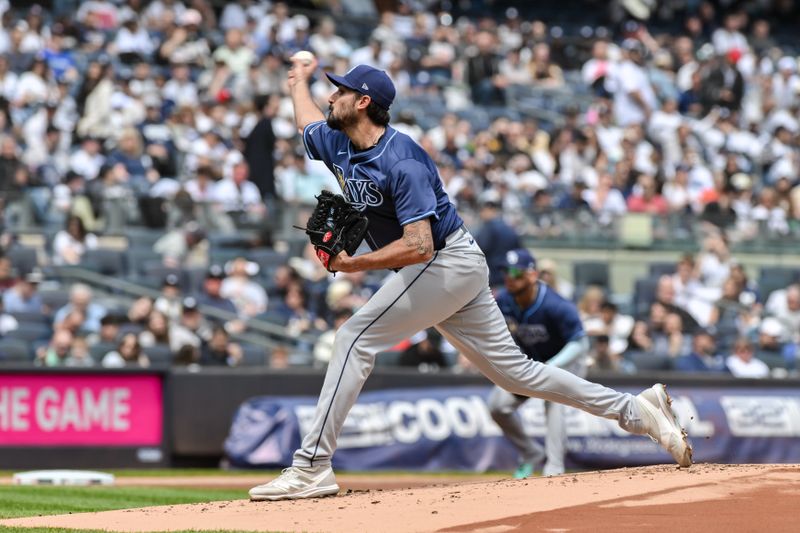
{"x":19,"y":501}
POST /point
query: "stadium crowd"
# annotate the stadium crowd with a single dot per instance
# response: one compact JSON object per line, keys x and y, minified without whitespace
{"x":175,"y":115}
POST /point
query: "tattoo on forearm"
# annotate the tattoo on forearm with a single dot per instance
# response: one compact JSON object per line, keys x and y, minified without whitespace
{"x":415,"y":236}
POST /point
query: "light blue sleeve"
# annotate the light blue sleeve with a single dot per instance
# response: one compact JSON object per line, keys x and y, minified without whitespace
{"x":570,"y":353}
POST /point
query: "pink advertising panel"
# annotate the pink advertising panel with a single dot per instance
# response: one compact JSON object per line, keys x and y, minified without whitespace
{"x":80,"y":410}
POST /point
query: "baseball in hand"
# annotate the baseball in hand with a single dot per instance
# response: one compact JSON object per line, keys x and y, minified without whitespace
{"x":304,"y":56}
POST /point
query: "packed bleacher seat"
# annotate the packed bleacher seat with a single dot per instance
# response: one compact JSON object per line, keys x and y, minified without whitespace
{"x":148,"y":155}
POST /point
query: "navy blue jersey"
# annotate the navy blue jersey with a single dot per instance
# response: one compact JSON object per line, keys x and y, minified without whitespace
{"x":545,"y":327}
{"x":393,"y":183}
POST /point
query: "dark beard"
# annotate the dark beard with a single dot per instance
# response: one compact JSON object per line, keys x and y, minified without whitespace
{"x":339,"y":123}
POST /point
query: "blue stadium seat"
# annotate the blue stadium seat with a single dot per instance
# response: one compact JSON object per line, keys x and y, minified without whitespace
{"x":388,"y":359}
{"x":137,"y":258}
{"x":644,"y":294}
{"x":105,"y":261}
{"x":645,"y":361}
{"x":660,"y":268}
{"x":160,"y":355}
{"x":31,"y":331}
{"x":99,"y":350}
{"x":55,"y":299}
{"x":23,"y":259}
{"x":268,"y":258}
{"x":254,"y":355}
{"x":587,"y":273}
{"x":771,"y":279}
{"x":15,"y":351}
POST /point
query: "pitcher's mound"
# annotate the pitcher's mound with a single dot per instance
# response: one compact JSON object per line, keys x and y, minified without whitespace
{"x":709,"y":498}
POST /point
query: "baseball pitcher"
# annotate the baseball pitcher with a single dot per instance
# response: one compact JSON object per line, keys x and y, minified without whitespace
{"x":441,"y":280}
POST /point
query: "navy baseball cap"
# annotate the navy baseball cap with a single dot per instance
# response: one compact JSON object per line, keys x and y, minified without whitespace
{"x":519,"y":259}
{"x":368,"y":81}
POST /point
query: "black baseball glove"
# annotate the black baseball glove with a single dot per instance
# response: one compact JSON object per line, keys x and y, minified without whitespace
{"x":335,"y":225}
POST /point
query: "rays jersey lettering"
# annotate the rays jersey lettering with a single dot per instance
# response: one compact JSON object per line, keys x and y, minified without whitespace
{"x":531,"y":334}
{"x":393,"y":183}
{"x":544,"y":328}
{"x":363,"y":193}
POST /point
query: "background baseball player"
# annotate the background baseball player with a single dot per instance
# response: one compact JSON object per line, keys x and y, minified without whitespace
{"x":548,"y":329}
{"x":441,"y":280}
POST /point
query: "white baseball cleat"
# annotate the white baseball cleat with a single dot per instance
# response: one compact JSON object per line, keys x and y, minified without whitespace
{"x":298,"y":482}
{"x":662,"y":424}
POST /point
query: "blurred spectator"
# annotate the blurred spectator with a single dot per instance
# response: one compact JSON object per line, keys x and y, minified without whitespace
{"x":425,"y":354}
{"x":219,"y":351}
{"x":7,"y":278}
{"x":634,"y":97}
{"x":715,"y":260}
{"x":157,"y":330}
{"x":323,"y":349}
{"x":184,"y":247}
{"x":548,"y":274}
{"x":728,"y":316}
{"x":665,"y":296}
{"x":646,"y":198}
{"x":589,"y":306}
{"x":130,"y":153}
{"x":169,"y":301}
{"x":234,"y":53}
{"x":201,"y":185}
{"x":724,"y":84}
{"x":611,"y":324}
{"x":79,"y":355}
{"x":483,"y":72}
{"x":23,"y":297}
{"x":139,"y":312}
{"x":299,"y":319}
{"x":279,"y":359}
{"x":703,"y":357}
{"x":61,"y":352}
{"x":7,"y":322}
{"x":326,"y":45}
{"x":128,"y":354}
{"x":109,"y":331}
{"x":249,"y":297}
{"x":237,"y":194}
{"x":183,"y":44}
{"x":495,"y":237}
{"x":212,"y":284}
{"x":606,"y":201}
{"x":191,"y":329}
{"x":604,"y":360}
{"x":743,"y":363}
{"x":784,"y":305}
{"x":771,"y":348}
{"x":545,"y":72}
{"x":80,"y":299}
{"x":71,"y":243}
{"x":260,"y":147}
{"x":685,"y":282}
{"x":673,"y":341}
{"x":597,"y":72}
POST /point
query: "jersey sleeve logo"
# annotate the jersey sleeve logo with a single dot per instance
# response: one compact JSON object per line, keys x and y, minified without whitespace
{"x":339,"y":173}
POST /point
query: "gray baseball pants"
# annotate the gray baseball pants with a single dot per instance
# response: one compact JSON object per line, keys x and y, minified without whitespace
{"x":450,"y":292}
{"x":503,"y":405}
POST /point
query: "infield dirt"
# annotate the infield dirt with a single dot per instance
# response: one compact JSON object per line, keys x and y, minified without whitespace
{"x":708,"y":497}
